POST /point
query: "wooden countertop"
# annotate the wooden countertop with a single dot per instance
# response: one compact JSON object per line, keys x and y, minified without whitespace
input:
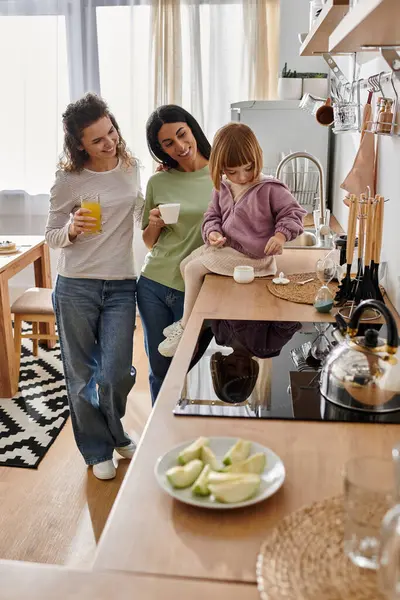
{"x":150,"y":533}
{"x":45,"y":582}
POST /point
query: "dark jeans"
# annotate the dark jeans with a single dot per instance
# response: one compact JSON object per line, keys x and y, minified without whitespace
{"x":159,"y":306}
{"x":95,"y":320}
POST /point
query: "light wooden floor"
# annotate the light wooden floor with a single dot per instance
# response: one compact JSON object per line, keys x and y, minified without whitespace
{"x":55,"y":514}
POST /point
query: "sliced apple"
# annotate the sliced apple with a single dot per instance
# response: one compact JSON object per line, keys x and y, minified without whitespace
{"x":236,"y":490}
{"x":240,"y":451}
{"x":183,"y":477}
{"x":200,"y":486}
{"x":193,"y":451}
{"x":254,"y":464}
{"x":208,"y":457}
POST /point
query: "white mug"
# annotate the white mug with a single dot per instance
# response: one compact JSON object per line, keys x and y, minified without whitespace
{"x":169,"y":213}
{"x":243,"y":274}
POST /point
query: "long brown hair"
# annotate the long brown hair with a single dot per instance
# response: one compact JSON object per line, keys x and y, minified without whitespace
{"x":79,"y":115}
{"x":234,"y":145}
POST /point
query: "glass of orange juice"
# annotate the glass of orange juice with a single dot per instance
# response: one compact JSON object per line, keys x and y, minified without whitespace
{"x":92,"y":202}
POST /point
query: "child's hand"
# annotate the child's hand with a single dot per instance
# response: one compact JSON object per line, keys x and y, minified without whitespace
{"x":216,"y":239}
{"x":275,"y":244}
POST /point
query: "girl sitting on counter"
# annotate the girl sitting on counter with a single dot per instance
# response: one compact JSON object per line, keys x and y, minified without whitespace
{"x":248,"y":220}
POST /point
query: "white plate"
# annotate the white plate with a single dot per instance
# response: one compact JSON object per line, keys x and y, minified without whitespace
{"x":271,"y":479}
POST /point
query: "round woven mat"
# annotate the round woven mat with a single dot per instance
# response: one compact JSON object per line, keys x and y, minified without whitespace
{"x":303,"y":559}
{"x":303,"y":294}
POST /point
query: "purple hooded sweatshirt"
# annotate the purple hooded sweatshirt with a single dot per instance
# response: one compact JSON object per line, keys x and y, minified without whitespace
{"x":264,"y":210}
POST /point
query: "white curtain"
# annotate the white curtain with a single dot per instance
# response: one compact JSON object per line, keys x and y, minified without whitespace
{"x":201,"y":54}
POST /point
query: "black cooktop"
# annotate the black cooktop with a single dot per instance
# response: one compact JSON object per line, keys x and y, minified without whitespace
{"x":265,"y":370}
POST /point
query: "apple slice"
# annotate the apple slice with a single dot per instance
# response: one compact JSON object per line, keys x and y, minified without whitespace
{"x":200,"y":486}
{"x":240,"y":451}
{"x":208,"y":457}
{"x":183,"y":477}
{"x":237,"y":490}
{"x":254,"y":464}
{"x":193,"y":451}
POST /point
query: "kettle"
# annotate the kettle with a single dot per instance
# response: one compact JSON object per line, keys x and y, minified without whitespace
{"x":362,"y":372}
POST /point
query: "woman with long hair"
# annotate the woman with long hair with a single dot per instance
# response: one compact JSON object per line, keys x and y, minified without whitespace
{"x":177,"y":142}
{"x":95,"y":291}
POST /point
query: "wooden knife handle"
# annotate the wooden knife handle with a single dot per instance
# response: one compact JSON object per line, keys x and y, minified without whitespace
{"x":379,"y":229}
{"x":369,"y":233}
{"x":361,"y":227}
{"x":351,"y":232}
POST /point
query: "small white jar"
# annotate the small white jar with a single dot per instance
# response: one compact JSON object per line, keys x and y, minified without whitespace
{"x":243,"y":274}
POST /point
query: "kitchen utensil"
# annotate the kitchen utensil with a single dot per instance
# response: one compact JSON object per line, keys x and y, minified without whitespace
{"x":324,"y":114}
{"x":306,"y":281}
{"x":271,"y":479}
{"x":379,"y":208}
{"x":367,"y":287}
{"x":368,"y":493}
{"x":363,"y":372}
{"x":345,"y":286}
{"x":356,"y":293}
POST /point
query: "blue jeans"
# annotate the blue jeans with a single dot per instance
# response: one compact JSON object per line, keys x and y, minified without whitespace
{"x":95,"y":320}
{"x":159,"y":306}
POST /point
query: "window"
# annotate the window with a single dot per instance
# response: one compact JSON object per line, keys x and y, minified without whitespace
{"x":34,"y":92}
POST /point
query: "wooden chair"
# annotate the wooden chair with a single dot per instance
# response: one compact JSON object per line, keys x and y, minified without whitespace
{"x":35,"y":306}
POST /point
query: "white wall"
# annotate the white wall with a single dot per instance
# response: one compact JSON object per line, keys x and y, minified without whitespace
{"x":388,"y":185}
{"x":294,"y":17}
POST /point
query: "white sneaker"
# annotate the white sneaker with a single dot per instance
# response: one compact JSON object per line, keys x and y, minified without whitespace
{"x":127,"y":451}
{"x":171,"y":328}
{"x":168,"y":347}
{"x":104,"y":470}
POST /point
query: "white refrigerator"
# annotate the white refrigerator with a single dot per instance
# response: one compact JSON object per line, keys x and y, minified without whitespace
{"x":282,"y":127}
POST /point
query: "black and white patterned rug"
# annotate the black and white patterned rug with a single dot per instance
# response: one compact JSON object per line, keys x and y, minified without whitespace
{"x":31,"y":421}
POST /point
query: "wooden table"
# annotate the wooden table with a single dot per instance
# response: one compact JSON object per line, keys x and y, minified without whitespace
{"x":148,"y":532}
{"x":20,"y":581}
{"x":33,"y":249}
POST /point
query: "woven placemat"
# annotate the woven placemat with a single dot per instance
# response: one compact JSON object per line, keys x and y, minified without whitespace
{"x":303,"y":294}
{"x":303,"y":559}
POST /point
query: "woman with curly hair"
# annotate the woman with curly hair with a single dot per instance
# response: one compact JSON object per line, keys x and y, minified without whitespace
{"x":95,"y":291}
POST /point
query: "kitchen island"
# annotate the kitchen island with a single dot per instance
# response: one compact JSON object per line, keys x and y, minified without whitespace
{"x":155,"y":546}
{"x":148,"y":532}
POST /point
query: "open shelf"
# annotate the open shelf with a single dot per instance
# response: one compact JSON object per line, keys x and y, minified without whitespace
{"x":369,"y":23}
{"x":317,"y":41}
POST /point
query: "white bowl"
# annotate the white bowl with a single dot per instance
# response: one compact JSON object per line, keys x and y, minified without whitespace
{"x":243,"y":274}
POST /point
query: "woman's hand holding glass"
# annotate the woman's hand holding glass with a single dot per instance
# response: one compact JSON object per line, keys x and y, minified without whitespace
{"x":81,"y":223}
{"x":216,"y":239}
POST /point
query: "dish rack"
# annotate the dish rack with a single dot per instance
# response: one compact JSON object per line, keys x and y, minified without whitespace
{"x":302,"y":183}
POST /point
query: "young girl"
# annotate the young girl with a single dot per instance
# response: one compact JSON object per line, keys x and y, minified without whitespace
{"x":248,"y":221}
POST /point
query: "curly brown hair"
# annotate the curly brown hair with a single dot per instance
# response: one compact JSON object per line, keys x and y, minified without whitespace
{"x":79,"y":115}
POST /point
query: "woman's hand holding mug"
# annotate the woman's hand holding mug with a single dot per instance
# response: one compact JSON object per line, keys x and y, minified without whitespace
{"x":155,"y":219}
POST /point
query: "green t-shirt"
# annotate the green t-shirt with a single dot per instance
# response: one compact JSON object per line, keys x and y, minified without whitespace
{"x":192,"y":190}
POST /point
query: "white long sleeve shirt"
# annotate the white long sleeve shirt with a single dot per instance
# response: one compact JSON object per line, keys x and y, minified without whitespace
{"x":107,"y":255}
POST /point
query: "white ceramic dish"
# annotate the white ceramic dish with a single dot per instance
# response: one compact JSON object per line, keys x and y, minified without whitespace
{"x":244,"y":274}
{"x":271,"y":479}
